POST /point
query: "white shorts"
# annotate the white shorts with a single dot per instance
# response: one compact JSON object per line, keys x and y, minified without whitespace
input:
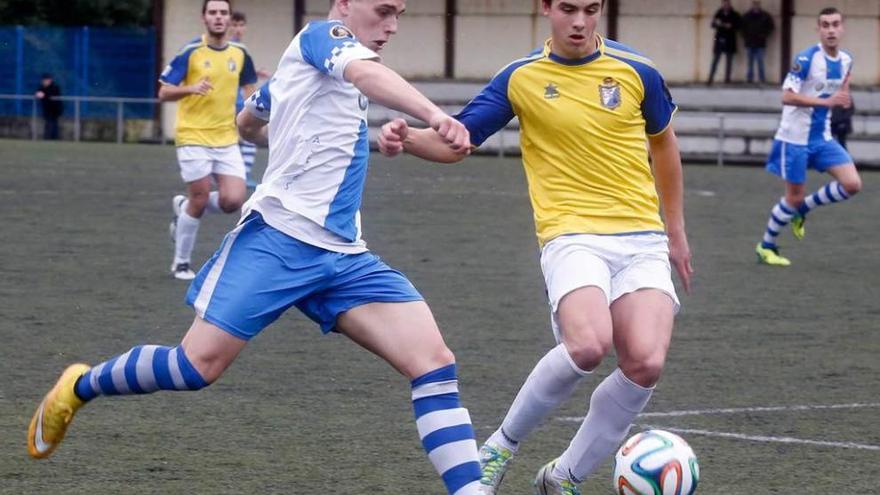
{"x":198,"y":162}
{"x":617,"y":264}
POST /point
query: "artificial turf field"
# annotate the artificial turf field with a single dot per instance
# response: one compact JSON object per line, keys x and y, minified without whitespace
{"x":773,"y":376}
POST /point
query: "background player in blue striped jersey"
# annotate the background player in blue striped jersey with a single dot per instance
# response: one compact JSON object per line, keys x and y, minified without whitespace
{"x":237,"y":31}
{"x":205,"y":79}
{"x":818,"y":82}
{"x":587,"y":106}
{"x":299,"y":244}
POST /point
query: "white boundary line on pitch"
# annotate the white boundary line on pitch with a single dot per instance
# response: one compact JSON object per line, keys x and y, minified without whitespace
{"x":740,"y":410}
{"x":754,"y":438}
{"x":766,"y":439}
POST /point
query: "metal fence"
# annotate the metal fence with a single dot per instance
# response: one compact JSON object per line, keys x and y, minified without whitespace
{"x":84,"y":62}
{"x":78,"y":102}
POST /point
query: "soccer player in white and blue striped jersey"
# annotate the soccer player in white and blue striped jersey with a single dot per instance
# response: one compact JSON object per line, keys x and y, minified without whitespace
{"x":299,"y":244}
{"x":818,"y":82}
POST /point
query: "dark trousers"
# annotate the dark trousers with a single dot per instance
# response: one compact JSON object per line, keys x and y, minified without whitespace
{"x":756,"y":57}
{"x":50,"y":128}
{"x":727,"y":66}
{"x":840,"y":137}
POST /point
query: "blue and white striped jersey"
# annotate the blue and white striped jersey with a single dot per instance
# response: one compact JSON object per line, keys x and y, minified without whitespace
{"x":318,"y":143}
{"x":813,"y":74}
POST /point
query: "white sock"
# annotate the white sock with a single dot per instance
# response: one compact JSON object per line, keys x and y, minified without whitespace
{"x":613,"y":406}
{"x":213,"y":205}
{"x":185,"y":237}
{"x":551,"y":382}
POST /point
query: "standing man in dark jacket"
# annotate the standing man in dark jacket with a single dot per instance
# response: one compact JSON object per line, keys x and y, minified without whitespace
{"x":757,"y":25}
{"x":47,"y":93}
{"x":725,"y":23}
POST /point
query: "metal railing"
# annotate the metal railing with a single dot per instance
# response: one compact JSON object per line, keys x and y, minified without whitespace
{"x":77,"y":111}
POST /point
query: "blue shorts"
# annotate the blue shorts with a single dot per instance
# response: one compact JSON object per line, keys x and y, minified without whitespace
{"x":259,"y":272}
{"x":791,"y":161}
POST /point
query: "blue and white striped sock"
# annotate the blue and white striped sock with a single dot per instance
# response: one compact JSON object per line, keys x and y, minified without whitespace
{"x":832,"y":192}
{"x":249,"y":155}
{"x":142,"y":370}
{"x":780,"y":216}
{"x":446,"y":431}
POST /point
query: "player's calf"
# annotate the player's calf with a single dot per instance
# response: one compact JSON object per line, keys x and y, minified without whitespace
{"x":446,"y":431}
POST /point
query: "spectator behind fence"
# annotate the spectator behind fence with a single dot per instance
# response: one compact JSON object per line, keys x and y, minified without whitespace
{"x":757,"y":25}
{"x":725,"y":23}
{"x":841,"y":122}
{"x":47,"y":93}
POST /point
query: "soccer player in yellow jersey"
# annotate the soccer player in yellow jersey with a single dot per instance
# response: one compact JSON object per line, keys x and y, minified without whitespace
{"x":205,"y":78}
{"x":592,"y":111}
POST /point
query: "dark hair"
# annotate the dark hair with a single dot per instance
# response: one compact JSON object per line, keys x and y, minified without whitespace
{"x":830,"y":11}
{"x":205,"y":4}
{"x":550,"y":2}
{"x":238,"y":16}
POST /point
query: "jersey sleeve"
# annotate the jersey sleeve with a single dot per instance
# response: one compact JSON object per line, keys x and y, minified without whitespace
{"x":490,"y":110}
{"x":330,"y":46}
{"x":800,"y":69}
{"x":657,"y":105}
{"x":248,"y":72}
{"x":260,"y":103}
{"x":175,"y":72}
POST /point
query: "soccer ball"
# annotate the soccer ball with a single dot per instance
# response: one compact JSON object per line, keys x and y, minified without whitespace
{"x":655,"y":462}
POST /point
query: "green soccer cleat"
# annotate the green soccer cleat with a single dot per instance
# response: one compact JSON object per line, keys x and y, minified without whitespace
{"x":494,"y":462}
{"x":546,"y":484}
{"x":55,"y":413}
{"x":797,"y":227}
{"x":770,"y":256}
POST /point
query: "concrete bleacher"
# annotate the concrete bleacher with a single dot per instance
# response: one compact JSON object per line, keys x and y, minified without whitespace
{"x":740,"y":121}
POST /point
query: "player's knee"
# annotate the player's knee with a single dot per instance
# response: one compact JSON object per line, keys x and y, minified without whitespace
{"x":210,"y":368}
{"x":231,"y":205}
{"x":852,"y":186}
{"x":587,"y":353}
{"x":197,"y":202}
{"x":794,"y":200}
{"x":644,"y":371}
{"x":420,"y":363}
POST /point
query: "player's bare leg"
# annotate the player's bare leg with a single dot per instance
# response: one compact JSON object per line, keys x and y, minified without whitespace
{"x":206,"y":351}
{"x":642,"y":332}
{"x":847,"y":184}
{"x":407,"y":337}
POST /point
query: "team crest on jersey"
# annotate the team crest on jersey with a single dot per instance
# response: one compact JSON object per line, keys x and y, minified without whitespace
{"x":551,"y":92}
{"x":231,"y":64}
{"x":207,"y":64}
{"x":609,"y":93}
{"x":340,"y":32}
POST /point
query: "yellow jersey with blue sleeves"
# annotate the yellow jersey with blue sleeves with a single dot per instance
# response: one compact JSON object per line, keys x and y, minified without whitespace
{"x":209,"y":120}
{"x":584,"y":127}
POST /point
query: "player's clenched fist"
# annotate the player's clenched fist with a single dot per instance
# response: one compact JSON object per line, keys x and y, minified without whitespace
{"x":453,"y":131}
{"x":202,"y":87}
{"x":392,"y":136}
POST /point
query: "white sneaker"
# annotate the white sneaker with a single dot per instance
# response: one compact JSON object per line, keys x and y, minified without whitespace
{"x":546,"y":484}
{"x":176,"y":204}
{"x":182,"y":271}
{"x":494,"y":462}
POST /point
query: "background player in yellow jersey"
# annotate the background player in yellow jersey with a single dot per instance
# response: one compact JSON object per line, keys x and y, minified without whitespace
{"x":205,"y":78}
{"x":587,"y":107}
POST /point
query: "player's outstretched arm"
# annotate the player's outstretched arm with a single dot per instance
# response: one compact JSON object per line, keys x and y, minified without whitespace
{"x":386,"y":87}
{"x":396,"y":136}
{"x":670,"y":185}
{"x":252,"y":128}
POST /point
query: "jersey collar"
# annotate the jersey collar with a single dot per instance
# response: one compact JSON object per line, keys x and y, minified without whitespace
{"x":205,"y":42}
{"x":548,"y":52}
